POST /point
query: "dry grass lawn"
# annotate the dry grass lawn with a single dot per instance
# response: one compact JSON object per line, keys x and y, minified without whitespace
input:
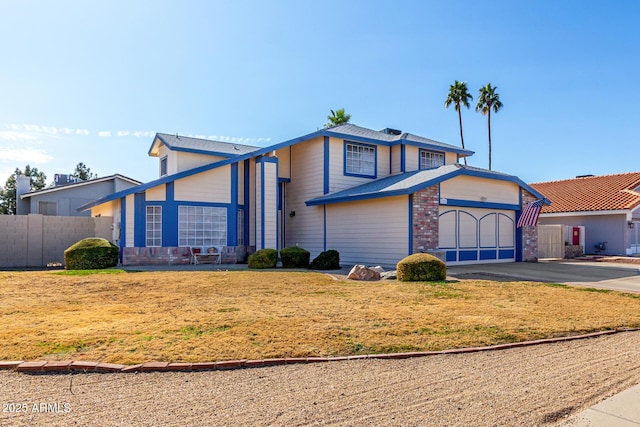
{"x":207,"y":316}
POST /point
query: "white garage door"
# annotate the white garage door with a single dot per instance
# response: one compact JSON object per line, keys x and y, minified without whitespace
{"x":473,"y":235}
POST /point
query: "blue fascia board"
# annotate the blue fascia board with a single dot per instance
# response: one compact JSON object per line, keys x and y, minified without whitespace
{"x":429,"y":183}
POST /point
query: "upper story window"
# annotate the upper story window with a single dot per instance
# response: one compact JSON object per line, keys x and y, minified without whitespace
{"x":163,"y":166}
{"x":431,"y":159}
{"x":360,"y":160}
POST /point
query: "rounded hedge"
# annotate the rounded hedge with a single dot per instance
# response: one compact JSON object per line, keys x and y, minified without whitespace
{"x":264,"y":258}
{"x":421,"y":267}
{"x":92,"y":253}
{"x":328,"y":260}
{"x":294,"y":257}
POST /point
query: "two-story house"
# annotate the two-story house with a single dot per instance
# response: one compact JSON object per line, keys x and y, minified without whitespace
{"x":374,"y":196}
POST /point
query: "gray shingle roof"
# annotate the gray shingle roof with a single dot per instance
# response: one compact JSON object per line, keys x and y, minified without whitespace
{"x":408,"y":183}
{"x":402,"y":138}
{"x":186,"y":143}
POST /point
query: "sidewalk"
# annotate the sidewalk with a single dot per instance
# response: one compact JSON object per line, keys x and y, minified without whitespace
{"x":621,"y":410}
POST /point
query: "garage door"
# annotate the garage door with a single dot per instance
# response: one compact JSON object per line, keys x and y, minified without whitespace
{"x":472,"y":235}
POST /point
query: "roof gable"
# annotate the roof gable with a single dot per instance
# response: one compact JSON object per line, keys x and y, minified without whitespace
{"x":198,"y":145}
{"x":80,"y":184}
{"x":592,"y":193}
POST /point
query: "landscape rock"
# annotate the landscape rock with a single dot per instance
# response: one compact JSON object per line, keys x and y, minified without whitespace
{"x":362,"y":272}
{"x":378,"y":269}
{"x":389,"y":275}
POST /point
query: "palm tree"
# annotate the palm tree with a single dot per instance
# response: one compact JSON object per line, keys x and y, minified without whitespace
{"x":458,"y":94}
{"x":337,"y":118}
{"x":487,"y":101}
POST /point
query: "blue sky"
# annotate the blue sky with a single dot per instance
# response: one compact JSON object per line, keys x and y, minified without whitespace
{"x":93,"y":81}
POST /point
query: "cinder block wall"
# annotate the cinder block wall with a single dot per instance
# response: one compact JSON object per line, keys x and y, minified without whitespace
{"x":36,"y":240}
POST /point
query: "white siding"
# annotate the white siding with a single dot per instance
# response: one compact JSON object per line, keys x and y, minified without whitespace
{"x":156,"y":194}
{"x":480,"y":190}
{"x":337,"y":179}
{"x":412,"y":158}
{"x":186,"y":161}
{"x":284,"y":162}
{"x":270,"y":205}
{"x":130,"y":211}
{"x":306,"y":227}
{"x":258,"y":207}
{"x":395,"y":159}
{"x":252,"y":203}
{"x":209,"y":186}
{"x":372,"y":232}
{"x":172,"y":159}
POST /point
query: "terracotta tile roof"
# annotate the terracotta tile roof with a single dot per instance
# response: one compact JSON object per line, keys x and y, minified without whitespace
{"x":592,"y":193}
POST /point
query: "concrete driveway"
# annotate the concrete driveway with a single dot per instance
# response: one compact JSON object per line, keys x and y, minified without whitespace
{"x":622,"y":277}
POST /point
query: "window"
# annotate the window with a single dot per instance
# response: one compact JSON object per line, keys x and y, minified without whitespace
{"x":241,"y":227}
{"x":202,"y":226}
{"x":430,"y":159}
{"x":360,"y":160}
{"x":48,"y":208}
{"x":154,"y":226}
{"x":163,"y":166}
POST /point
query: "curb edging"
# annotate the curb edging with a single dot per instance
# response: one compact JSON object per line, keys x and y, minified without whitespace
{"x":69,"y":366}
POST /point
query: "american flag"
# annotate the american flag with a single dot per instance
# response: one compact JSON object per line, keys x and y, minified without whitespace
{"x":530,"y":213}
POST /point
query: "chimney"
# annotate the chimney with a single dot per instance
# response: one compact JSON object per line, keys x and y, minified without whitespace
{"x":390,"y":131}
{"x":23,"y":186}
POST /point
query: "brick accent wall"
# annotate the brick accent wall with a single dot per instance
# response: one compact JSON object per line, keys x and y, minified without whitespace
{"x":529,"y":234}
{"x":176,"y":255}
{"x":425,"y":219}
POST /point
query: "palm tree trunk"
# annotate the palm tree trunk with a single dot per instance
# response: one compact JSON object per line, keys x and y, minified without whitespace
{"x":461,"y":137}
{"x":489,"y":127}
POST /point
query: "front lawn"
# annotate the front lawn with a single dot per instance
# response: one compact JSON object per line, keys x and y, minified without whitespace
{"x":208,"y":316}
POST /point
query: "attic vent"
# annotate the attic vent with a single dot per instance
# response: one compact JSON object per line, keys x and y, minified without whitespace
{"x":390,"y":131}
{"x":584,"y":176}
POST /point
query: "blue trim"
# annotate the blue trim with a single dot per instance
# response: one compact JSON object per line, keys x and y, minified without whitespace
{"x":410,"y":224}
{"x":324,"y":228}
{"x":169,"y":217}
{"x":284,"y":179}
{"x":506,"y":253}
{"x":326,"y":166}
{"x":232,"y":212}
{"x":123,"y":225}
{"x":519,"y":239}
{"x":247,"y":179}
{"x":452,"y":256}
{"x":166,"y":165}
{"x":390,"y":160}
{"x":260,"y":151}
{"x":262,"y":219}
{"x":458,"y":171}
{"x":422,"y":150}
{"x":192,"y":150}
{"x":487,"y":254}
{"x":474,"y":204}
{"x":468,"y":255}
{"x":403,"y":158}
{"x":139,"y":221}
{"x":375,"y":160}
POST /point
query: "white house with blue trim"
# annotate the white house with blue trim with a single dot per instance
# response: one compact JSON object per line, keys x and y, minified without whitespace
{"x":374,"y":196}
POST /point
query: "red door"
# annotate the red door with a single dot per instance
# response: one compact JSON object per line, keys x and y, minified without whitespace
{"x":576,"y":236}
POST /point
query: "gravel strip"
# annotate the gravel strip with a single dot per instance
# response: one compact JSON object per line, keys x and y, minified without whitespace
{"x":538,"y":385}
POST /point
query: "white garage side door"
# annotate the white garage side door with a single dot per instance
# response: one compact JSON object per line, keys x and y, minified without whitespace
{"x":474,"y":235}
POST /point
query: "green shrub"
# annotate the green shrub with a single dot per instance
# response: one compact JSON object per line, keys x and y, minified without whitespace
{"x":421,"y":267}
{"x":294,"y":257}
{"x":264,"y":258}
{"x":90,"y":254}
{"x":328,"y":260}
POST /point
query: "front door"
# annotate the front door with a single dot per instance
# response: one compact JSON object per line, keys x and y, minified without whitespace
{"x":576,"y":236}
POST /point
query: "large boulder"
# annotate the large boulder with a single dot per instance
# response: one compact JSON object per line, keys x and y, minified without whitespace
{"x":362,"y":272}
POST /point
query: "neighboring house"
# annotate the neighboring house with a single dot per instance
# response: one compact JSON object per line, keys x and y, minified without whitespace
{"x":67,"y":195}
{"x":375,"y":196}
{"x":608,"y":207}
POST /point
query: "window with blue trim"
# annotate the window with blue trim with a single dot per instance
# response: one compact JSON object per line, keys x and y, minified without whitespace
{"x":360,"y":159}
{"x":202,"y":226}
{"x":163,"y":166}
{"x":431,"y":159}
{"x":154,"y":226}
{"x":240,"y":230}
